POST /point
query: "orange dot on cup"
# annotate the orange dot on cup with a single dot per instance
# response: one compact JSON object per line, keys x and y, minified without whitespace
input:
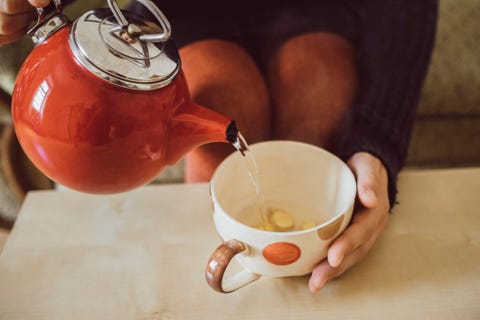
{"x":281,"y":253}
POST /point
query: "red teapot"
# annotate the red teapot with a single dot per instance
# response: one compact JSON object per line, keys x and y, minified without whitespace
{"x":101,"y":104}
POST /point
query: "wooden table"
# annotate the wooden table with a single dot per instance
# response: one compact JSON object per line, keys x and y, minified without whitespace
{"x":142,"y":255}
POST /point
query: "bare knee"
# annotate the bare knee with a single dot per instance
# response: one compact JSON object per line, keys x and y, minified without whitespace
{"x":320,"y":60}
{"x":313,"y":81}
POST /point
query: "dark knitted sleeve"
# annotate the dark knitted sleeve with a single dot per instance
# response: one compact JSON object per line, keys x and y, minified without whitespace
{"x":395,"y":47}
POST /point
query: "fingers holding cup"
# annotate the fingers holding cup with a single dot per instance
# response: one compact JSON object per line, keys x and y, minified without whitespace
{"x":368,"y":222}
{"x":324,"y":272}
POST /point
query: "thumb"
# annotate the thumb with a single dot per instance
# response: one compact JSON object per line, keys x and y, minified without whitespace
{"x":367,"y":195}
{"x":365,"y":171}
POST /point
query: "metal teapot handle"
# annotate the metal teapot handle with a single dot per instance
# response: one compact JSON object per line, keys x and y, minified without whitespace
{"x":48,"y":21}
{"x":41,"y":12}
{"x":157,"y":13}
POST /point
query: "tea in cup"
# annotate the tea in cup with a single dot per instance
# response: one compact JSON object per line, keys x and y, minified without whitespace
{"x":308,"y":196}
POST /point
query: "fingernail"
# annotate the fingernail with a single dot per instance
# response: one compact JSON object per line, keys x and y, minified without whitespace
{"x":371,"y":194}
{"x":335,"y":261}
{"x":40,"y":3}
{"x":315,"y":285}
{"x":370,"y":198}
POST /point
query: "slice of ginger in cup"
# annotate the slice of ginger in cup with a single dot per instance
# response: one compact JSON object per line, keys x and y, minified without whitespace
{"x":282,"y":221}
{"x":307,"y":224}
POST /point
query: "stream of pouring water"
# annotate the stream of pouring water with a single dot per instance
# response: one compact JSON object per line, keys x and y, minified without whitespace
{"x":252,"y":167}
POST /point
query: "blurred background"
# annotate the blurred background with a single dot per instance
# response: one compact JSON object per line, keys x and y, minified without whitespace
{"x":446,"y":133}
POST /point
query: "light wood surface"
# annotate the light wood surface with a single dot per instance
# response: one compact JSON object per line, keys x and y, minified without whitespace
{"x":142,"y":255}
{"x":3,"y":237}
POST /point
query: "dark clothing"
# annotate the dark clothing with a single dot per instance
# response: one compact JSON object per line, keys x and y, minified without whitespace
{"x":396,"y":43}
{"x":258,"y":26}
{"x":394,"y":40}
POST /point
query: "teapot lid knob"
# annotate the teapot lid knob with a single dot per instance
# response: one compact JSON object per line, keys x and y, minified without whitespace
{"x":124,"y":49}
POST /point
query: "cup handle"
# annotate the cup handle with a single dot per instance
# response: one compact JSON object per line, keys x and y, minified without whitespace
{"x":218,"y":263}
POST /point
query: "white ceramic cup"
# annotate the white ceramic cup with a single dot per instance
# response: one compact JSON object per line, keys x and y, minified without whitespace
{"x":307,"y":182}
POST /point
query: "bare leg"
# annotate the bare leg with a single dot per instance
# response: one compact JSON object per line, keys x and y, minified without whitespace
{"x":222,"y":76}
{"x":313,"y":81}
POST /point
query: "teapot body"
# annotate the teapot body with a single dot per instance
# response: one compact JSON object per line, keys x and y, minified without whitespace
{"x":89,"y":134}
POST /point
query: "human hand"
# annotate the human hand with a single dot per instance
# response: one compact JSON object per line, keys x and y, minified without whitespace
{"x":369,"y":219}
{"x":15,"y":16}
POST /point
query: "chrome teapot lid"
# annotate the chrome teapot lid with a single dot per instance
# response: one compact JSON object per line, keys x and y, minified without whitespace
{"x":124,"y":49}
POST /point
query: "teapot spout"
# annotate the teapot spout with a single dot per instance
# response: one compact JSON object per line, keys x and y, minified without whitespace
{"x":193,"y":125}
